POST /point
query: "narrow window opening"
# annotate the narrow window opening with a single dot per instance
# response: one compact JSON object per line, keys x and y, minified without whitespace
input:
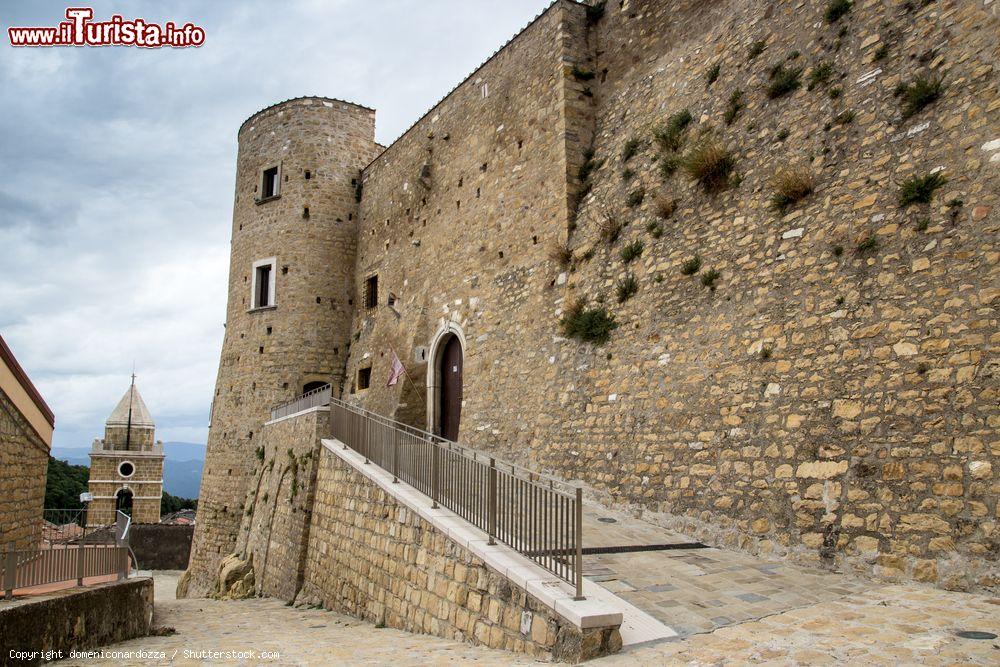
{"x":501,"y":254}
{"x":269,"y":331}
{"x":262,"y":296}
{"x":371,"y":291}
{"x":364,"y":378}
{"x":308,"y":174}
{"x":261,"y":349}
{"x":392,"y":299}
{"x":318,"y":299}
{"x":305,"y":212}
{"x":269,"y":187}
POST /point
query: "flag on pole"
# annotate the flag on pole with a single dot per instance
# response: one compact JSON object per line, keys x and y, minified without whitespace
{"x":396,"y":370}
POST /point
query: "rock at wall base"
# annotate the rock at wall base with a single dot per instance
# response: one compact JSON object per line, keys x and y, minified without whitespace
{"x":182,"y":585}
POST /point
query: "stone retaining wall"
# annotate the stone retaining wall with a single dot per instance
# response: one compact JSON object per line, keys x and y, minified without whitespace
{"x":161,"y":546}
{"x":371,"y":557}
{"x":75,"y":618}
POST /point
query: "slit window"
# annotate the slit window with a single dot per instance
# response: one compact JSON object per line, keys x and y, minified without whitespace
{"x":270,"y":184}
{"x":364,"y":378}
{"x":371,"y":291}
{"x":263,"y":283}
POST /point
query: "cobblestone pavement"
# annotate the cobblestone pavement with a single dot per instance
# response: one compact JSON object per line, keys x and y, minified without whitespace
{"x":881,"y":625}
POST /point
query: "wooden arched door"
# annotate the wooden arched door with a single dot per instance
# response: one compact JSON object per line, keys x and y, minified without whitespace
{"x":450,"y":396}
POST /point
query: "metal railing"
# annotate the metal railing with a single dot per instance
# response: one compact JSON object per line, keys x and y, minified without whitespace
{"x":25,"y":568}
{"x":538,"y":516}
{"x":310,"y":399}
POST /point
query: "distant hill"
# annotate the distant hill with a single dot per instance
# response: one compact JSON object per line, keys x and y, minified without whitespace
{"x":181,"y":468}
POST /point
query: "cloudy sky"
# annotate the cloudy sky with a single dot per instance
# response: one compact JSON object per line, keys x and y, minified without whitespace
{"x":118,"y":172}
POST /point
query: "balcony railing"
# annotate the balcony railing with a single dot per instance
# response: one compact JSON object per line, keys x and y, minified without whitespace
{"x":310,"y":399}
{"x":538,"y":516}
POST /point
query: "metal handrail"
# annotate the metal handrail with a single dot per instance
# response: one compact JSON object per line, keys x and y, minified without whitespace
{"x":513,"y":468}
{"x":27,"y":568}
{"x":523,"y":509}
{"x":310,"y":399}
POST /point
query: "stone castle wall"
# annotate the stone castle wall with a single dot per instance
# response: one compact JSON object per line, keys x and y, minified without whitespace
{"x":276,"y":525}
{"x":374,"y":558}
{"x":24,"y":458}
{"x":827,"y":402}
{"x":830,"y":395}
{"x":835,"y":403}
{"x":320,"y":146}
{"x":468,"y":243}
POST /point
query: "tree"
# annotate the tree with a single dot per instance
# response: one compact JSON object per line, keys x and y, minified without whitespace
{"x":64,"y":484}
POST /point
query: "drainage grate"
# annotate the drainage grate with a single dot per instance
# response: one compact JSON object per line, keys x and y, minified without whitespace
{"x":633,"y":548}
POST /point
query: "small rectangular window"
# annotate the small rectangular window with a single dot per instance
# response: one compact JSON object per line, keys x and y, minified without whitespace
{"x":269,"y":187}
{"x":364,"y":378}
{"x":371,"y":292}
{"x":262,"y":287}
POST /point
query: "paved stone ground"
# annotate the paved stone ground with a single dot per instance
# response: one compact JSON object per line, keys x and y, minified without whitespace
{"x":878,"y":625}
{"x":700,"y":590}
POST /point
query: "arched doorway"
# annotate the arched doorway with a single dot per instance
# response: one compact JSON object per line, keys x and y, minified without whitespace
{"x":450,"y":401}
{"x":123,"y":501}
{"x":444,"y":381}
{"x":315,"y":384}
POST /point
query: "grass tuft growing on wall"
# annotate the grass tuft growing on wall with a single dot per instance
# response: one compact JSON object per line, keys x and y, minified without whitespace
{"x":734,"y":106}
{"x":691,"y":266}
{"x":836,"y":10}
{"x":920,"y":189}
{"x":670,"y":135}
{"x":590,"y":325}
{"x":710,"y":164}
{"x":919,"y":93}
{"x":783,"y":80}
{"x":790,"y":186}
{"x":626,"y":288}
{"x":632,"y":251}
{"x":635,"y":197}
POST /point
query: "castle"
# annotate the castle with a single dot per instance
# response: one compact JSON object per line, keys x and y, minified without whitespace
{"x":731,"y":264}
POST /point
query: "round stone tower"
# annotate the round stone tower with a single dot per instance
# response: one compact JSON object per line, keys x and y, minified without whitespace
{"x":288,"y":316}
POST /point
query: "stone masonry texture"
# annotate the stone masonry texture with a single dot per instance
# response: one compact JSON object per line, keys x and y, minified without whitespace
{"x":76,"y":619}
{"x":375,"y":559}
{"x":819,"y":384}
{"x":270,"y":354}
{"x":24,"y":458}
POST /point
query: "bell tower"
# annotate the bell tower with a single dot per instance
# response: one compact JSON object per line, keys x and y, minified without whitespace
{"x":126,"y":466}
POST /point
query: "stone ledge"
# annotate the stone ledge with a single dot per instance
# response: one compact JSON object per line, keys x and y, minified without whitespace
{"x":554,"y":593}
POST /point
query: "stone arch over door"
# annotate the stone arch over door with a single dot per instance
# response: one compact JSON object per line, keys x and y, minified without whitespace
{"x":450,"y":333}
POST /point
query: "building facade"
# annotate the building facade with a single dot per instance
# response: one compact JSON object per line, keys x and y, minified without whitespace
{"x":126,"y":466}
{"x":591,"y":259}
{"x":26,"y":425}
